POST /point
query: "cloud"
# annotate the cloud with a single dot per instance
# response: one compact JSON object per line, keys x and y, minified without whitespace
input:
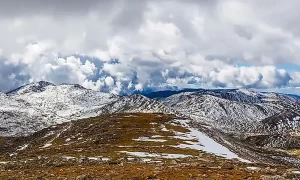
{"x":124,"y":46}
{"x":295,"y":82}
{"x":109,"y":81}
{"x":250,"y":77}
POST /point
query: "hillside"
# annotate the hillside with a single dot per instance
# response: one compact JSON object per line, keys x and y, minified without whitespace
{"x":127,"y":146}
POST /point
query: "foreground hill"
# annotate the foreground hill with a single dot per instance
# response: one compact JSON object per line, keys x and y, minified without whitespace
{"x":127,"y":146}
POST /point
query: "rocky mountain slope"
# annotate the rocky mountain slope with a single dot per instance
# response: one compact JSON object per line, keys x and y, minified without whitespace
{"x":252,"y":122}
{"x":38,"y":105}
{"x":239,"y":111}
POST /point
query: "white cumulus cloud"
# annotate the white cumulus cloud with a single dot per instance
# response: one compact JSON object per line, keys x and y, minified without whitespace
{"x":123,"y":46}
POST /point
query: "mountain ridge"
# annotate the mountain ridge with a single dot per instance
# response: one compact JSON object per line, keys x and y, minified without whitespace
{"x":39,"y":105}
{"x":231,"y":109}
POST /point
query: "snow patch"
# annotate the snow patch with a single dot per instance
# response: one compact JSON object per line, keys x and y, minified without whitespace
{"x":254,"y":168}
{"x":156,"y":136}
{"x":297,"y":118}
{"x":149,"y":140}
{"x":163,"y":128}
{"x":161,"y":155}
{"x":205,"y":143}
{"x":46,"y":145}
{"x":23,"y":147}
{"x":94,"y":158}
{"x":69,"y":157}
{"x":105,"y":159}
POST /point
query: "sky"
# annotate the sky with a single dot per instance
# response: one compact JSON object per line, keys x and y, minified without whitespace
{"x":124,"y":46}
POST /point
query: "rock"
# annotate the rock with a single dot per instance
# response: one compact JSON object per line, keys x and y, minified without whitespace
{"x":227,"y":165}
{"x":62,"y":178}
{"x":173,"y":162}
{"x":235,"y":160}
{"x":83,"y":177}
{"x":276,"y":177}
{"x":200,"y":154}
{"x":255,"y":169}
{"x":39,"y":178}
{"x":51,"y":175}
{"x":84,"y":160}
{"x":203,"y":165}
{"x":269,"y":170}
{"x":292,"y":173}
{"x":135,"y":178}
{"x":203,"y":159}
{"x":204,"y":175}
{"x":194,"y":164}
{"x":295,"y":172}
{"x":125,"y":159}
{"x":152,"y":176}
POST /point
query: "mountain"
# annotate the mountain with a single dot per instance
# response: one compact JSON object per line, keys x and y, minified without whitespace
{"x":126,"y":104}
{"x":294,"y":96}
{"x":232,"y":110}
{"x":249,"y":122}
{"x":62,"y":101}
{"x":32,"y":87}
{"x":15,"y":114}
{"x":41,"y":104}
{"x":136,"y":103}
{"x":38,"y":105}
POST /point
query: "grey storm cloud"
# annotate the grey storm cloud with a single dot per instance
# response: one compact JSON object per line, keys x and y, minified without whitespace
{"x":36,"y":7}
{"x":121,"y":46}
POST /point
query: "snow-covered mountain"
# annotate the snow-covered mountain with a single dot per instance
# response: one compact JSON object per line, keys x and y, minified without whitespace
{"x":38,"y":105}
{"x":63,"y":100}
{"x":237,"y":110}
{"x":130,"y":104}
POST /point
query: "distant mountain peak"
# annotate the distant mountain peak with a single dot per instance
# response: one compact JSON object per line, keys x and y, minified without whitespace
{"x":31,"y":87}
{"x":77,"y":86}
{"x":250,"y":92}
{"x":44,"y":83}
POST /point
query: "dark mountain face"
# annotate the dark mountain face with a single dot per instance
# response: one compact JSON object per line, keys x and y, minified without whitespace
{"x":165,"y":94}
{"x":294,"y":96}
